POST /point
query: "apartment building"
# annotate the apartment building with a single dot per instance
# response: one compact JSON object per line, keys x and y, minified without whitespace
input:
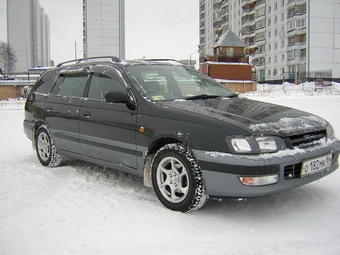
{"x":285,"y":38}
{"x":104,"y":28}
{"x":26,"y":28}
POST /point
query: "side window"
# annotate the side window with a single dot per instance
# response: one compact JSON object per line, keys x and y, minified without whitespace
{"x":45,"y":83}
{"x":70,"y":85}
{"x":100,"y":84}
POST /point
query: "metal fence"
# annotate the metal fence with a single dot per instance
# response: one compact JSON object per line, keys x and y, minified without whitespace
{"x":305,"y":88}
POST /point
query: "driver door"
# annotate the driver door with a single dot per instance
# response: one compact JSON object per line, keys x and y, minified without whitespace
{"x":108,"y":130}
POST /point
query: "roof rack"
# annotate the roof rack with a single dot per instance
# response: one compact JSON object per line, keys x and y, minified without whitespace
{"x":77,"y":61}
{"x":162,"y":60}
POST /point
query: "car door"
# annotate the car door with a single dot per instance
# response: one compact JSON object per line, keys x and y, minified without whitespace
{"x":62,"y":108}
{"x":107,"y":130}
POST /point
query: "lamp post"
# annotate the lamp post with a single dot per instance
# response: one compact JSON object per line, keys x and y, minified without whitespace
{"x":191,"y":57}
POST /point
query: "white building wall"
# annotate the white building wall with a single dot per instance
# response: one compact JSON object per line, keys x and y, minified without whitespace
{"x":209,"y":28}
{"x":20,"y":33}
{"x":336,"y":62}
{"x":323,"y":32}
{"x":104,"y":28}
{"x":3,"y":21}
{"x":25,"y":22}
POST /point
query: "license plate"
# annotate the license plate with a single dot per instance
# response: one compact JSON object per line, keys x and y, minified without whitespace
{"x":315,"y":165}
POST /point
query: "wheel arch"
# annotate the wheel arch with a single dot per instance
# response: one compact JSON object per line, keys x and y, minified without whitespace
{"x":154,"y":147}
{"x":36,"y":127}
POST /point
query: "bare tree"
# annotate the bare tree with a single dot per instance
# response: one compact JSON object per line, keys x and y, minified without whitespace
{"x":7,"y":57}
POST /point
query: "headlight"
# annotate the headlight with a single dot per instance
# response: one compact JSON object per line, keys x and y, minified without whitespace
{"x":330,"y":132}
{"x":255,"y":145}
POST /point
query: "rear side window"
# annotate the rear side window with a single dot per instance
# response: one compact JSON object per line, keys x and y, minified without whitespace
{"x":70,"y":85}
{"x":45,"y":83}
{"x":101,"y":84}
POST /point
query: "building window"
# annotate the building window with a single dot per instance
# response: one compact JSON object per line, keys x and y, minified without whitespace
{"x":291,"y":12}
{"x":260,"y":12}
{"x":260,"y":36}
{"x":300,"y":9}
{"x":291,"y":41}
{"x":290,"y":54}
{"x":300,"y":23}
{"x":261,"y":49}
{"x":260,"y":24}
{"x":291,"y":25}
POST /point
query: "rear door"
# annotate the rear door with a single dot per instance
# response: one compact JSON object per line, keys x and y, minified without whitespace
{"x":62,"y":109}
{"x":107,"y":130}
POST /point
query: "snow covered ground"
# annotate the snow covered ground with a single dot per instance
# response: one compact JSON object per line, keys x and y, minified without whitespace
{"x":80,"y":208}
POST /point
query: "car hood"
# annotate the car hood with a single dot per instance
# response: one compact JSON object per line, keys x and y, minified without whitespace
{"x":253,"y":116}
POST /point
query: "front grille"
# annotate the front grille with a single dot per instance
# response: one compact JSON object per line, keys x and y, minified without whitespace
{"x":306,"y":140}
{"x":292,"y":171}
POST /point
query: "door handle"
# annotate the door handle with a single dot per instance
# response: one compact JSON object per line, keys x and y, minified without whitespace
{"x":86,"y":115}
{"x":48,"y":108}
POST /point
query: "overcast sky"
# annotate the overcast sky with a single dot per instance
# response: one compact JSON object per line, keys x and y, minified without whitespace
{"x":154,"y":28}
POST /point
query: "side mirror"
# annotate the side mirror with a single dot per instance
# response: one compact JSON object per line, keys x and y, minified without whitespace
{"x":119,"y":98}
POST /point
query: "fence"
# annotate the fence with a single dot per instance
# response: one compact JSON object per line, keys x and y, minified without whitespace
{"x":298,"y":77}
{"x":305,"y":88}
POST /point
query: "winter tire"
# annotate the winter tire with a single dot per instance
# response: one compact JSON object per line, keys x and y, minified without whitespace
{"x":177,"y":179}
{"x":46,"y":149}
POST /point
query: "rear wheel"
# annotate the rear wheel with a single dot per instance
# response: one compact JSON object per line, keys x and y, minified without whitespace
{"x":46,"y":149}
{"x":177,"y":179}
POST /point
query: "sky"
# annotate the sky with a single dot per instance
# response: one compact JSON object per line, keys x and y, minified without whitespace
{"x":154,"y":28}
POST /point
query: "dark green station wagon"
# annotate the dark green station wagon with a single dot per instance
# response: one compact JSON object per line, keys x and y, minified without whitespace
{"x":186,"y":135}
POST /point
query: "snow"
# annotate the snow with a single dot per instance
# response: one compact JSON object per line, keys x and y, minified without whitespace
{"x":80,"y":208}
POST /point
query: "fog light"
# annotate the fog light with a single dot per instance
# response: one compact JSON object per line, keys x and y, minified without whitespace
{"x":259,"y":180}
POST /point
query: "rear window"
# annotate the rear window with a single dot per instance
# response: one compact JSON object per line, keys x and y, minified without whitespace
{"x":70,"y":85}
{"x":45,"y":83}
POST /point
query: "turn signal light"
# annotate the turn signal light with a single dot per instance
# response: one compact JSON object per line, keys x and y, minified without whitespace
{"x":259,"y":180}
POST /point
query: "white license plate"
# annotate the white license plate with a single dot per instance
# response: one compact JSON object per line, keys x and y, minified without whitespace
{"x":315,"y":165}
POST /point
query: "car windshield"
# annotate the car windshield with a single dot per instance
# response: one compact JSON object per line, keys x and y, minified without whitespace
{"x":165,"y":82}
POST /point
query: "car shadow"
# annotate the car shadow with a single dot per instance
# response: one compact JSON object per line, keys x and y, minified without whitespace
{"x":291,"y":202}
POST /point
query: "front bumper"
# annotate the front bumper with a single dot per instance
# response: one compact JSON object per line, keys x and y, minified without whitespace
{"x":221,"y":171}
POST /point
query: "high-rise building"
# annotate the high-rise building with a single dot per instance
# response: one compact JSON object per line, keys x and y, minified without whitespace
{"x":284,"y":38}
{"x":26,"y":29}
{"x":104,"y":28}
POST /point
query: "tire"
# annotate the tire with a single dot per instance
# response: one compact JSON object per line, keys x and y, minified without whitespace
{"x":177,"y":179}
{"x":46,"y":149}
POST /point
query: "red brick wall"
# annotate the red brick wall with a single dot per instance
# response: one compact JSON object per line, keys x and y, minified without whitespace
{"x":10,"y":91}
{"x":229,"y":71}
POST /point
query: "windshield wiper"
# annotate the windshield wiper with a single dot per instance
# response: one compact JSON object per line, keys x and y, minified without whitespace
{"x":202,"y":96}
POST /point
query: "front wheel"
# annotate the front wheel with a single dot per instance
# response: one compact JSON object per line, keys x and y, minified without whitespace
{"x":177,"y":179}
{"x":46,"y":149}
